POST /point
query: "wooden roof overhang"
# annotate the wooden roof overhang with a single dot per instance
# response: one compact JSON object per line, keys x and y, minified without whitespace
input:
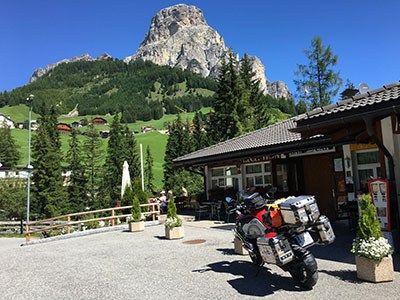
{"x":350,"y":125}
{"x":237,"y":156}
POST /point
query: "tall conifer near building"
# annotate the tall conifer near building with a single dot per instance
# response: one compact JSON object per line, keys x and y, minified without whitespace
{"x":131,"y":154}
{"x":225,"y":119}
{"x":92,"y":158}
{"x":77,"y":188}
{"x":148,"y":171}
{"x":113,"y":164}
{"x":48,"y":192}
{"x":317,"y":82}
{"x":200,"y":138}
{"x":9,"y":154}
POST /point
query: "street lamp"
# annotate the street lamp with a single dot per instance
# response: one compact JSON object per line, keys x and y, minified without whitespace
{"x":29,"y":167}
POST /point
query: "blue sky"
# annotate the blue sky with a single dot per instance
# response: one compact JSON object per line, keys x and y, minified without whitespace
{"x":364,"y":34}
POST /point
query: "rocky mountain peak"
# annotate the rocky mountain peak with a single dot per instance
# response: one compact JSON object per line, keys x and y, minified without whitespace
{"x":179,"y":36}
{"x":170,"y":20}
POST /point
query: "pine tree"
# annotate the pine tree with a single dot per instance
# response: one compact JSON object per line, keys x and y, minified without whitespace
{"x":148,"y":171}
{"x":301,"y":107}
{"x":200,"y":138}
{"x":77,"y":195}
{"x":9,"y":154}
{"x":172,"y":150}
{"x":180,"y":142}
{"x":131,"y":154}
{"x":317,"y":82}
{"x":250,"y":90}
{"x":92,"y":158}
{"x":113,"y":164}
{"x":368,"y":224}
{"x":48,"y":192}
{"x":136,"y":211}
{"x":225,"y":121}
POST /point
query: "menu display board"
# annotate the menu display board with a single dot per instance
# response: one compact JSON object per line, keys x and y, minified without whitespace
{"x":379,"y":190}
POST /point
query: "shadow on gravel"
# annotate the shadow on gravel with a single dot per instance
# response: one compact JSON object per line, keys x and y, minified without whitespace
{"x":344,"y":275}
{"x":224,"y":227}
{"x":254,"y":281}
{"x":227,"y":251}
{"x":339,"y":250}
{"x":160,"y":237}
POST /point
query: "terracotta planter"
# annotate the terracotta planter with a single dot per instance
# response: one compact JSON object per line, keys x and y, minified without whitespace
{"x":239,"y":249}
{"x":370,"y":270}
{"x":174,"y":233}
{"x":136,"y":226}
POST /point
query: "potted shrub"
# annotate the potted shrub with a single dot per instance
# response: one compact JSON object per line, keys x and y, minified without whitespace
{"x":373,"y":252}
{"x":173,"y":224}
{"x":136,"y":223}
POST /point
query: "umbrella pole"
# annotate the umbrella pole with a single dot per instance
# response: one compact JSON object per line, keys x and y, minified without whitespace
{"x":141,"y":165}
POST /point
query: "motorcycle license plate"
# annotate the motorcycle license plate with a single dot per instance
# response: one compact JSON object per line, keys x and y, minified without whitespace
{"x":304,"y":239}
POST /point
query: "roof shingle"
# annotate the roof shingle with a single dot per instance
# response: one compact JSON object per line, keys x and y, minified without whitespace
{"x":271,"y":135}
{"x":383,"y":94}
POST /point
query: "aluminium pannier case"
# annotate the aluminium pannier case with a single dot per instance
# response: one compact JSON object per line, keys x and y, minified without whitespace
{"x":301,"y":210}
{"x":276,"y":250}
{"x":325,"y":231}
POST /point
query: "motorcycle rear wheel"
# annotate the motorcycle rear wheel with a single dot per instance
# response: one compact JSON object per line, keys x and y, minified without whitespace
{"x":256,"y":258}
{"x":304,"y":270}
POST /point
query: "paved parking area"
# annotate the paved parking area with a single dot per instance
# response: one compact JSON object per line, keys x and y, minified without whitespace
{"x":123,"y":265}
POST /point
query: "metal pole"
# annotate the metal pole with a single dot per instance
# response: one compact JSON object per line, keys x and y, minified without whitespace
{"x":141,"y":165}
{"x":28,"y":196}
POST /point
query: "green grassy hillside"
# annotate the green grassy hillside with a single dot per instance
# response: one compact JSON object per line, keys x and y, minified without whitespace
{"x":155,"y":140}
{"x":140,"y":90}
{"x":17,"y":113}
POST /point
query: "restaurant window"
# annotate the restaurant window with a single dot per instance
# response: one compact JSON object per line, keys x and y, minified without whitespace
{"x":368,"y":167}
{"x":282,"y":177}
{"x":225,"y":177}
{"x":259,"y":174}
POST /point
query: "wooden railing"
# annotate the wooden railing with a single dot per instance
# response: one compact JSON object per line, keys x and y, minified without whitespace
{"x":70,"y":220}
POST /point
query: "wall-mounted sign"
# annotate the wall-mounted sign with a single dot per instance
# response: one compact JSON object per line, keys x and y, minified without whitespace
{"x":312,"y":152}
{"x":379,"y":190}
{"x":338,"y":163}
{"x":260,"y":158}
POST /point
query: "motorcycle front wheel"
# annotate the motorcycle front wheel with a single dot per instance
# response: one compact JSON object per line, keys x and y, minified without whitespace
{"x":304,"y":269}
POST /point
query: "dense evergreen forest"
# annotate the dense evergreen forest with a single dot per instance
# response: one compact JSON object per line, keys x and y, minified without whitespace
{"x":140,"y":90}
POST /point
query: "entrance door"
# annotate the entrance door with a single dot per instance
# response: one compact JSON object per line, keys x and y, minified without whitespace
{"x":319,"y":182}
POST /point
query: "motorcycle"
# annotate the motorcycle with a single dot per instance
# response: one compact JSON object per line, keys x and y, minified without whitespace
{"x":280,"y":232}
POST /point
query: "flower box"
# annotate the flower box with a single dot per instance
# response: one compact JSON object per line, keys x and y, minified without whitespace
{"x":136,"y":226}
{"x":374,"y":271}
{"x":174,"y":233}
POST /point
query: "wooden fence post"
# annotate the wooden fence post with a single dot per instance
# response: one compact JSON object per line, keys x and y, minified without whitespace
{"x":112,"y":220}
{"x":27,"y":234}
{"x":68,"y":226}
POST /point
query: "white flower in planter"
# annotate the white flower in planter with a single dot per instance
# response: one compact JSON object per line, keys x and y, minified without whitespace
{"x":374,"y":249}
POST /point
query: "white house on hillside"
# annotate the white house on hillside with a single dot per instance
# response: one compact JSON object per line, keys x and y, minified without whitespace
{"x":6,"y":121}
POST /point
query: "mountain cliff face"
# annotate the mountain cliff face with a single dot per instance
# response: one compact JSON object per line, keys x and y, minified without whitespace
{"x":179,"y":36}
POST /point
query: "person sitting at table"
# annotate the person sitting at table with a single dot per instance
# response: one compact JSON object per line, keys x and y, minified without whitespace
{"x":163,"y":202}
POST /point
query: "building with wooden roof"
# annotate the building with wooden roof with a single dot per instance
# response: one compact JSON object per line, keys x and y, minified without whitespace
{"x":331,"y":152}
{"x":64,"y":128}
{"x":99,"y":121}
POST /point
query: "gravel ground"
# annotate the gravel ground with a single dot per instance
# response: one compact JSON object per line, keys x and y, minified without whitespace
{"x":123,"y":265}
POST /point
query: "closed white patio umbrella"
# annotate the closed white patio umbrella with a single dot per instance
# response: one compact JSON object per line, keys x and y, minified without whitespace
{"x":126,"y":178}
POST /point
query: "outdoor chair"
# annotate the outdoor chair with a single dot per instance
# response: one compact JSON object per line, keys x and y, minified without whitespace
{"x":200,"y":209}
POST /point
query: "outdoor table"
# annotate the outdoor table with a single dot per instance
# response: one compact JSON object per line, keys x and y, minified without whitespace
{"x":213,"y":209}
